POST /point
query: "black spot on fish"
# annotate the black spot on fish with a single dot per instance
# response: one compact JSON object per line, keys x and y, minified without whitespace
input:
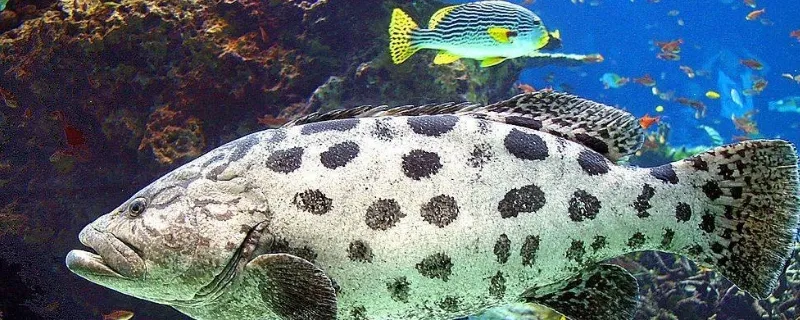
{"x":313,"y":201}
{"x":433,"y":126}
{"x":285,"y":161}
{"x":497,"y":285}
{"x":664,"y":173}
{"x":277,"y":135}
{"x":434,"y":266}
{"x":419,"y":164}
{"x":243,"y":146}
{"x":592,"y":162}
{"x":683,"y":212}
{"x":502,"y":248}
{"x":712,"y":190}
{"x":529,"y":198}
{"x":717,"y":247}
{"x":695,"y":250}
{"x":524,"y":122}
{"x":575,"y":251}
{"x":637,"y":240}
{"x":331,"y":125}
{"x":698,"y":163}
{"x":666,"y":239}
{"x":736,"y":192}
{"x":440,"y":211}
{"x":399,"y":289}
{"x":725,"y":172}
{"x":383,"y":214}
{"x":359,"y":313}
{"x":480,"y":155}
{"x":642,"y":202}
{"x":599,"y":242}
{"x":582,"y":206}
{"x":383,"y":130}
{"x":592,"y":142}
{"x":338,"y":155}
{"x":707,"y":224}
{"x":449,"y":303}
{"x":529,"y":249}
{"x":526,"y":146}
{"x":359,"y":251}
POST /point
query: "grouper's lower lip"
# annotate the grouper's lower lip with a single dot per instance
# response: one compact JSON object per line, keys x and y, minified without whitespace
{"x":87,"y":263}
{"x":114,"y":259}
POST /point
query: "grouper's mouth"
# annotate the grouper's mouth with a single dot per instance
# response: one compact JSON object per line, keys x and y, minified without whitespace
{"x":115,"y":258}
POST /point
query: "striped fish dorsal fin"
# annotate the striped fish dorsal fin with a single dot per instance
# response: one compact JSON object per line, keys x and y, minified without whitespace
{"x":609,"y":131}
{"x":439,"y":15}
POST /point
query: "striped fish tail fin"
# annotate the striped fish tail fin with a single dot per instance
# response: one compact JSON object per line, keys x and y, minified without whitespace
{"x":401,"y":30}
{"x":748,"y":225}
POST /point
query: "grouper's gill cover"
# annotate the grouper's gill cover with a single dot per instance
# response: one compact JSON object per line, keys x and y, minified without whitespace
{"x":440,"y":211}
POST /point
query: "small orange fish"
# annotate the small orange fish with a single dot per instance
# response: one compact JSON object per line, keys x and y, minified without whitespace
{"x":272,"y":121}
{"x":759,"y":84}
{"x":118,"y":315}
{"x":673,"y":46}
{"x":688,"y":71}
{"x":645,"y":80}
{"x":755,"y":14}
{"x":752,"y":64}
{"x":646,"y":121}
{"x":525,"y":88}
{"x":750,"y":3}
{"x":795,"y":34}
{"x":668,"y":56}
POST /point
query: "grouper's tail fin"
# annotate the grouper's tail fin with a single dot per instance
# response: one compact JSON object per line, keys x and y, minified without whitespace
{"x":401,"y":30}
{"x":749,"y":222}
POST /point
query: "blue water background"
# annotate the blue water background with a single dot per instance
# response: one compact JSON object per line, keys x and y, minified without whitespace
{"x":716,"y":35}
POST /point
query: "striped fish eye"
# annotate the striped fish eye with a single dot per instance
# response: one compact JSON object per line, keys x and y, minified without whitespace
{"x":537,"y":22}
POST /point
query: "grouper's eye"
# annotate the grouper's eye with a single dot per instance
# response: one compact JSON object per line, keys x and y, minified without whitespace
{"x":136,"y":207}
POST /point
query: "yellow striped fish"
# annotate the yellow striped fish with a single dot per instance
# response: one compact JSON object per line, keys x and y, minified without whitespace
{"x":490,"y":31}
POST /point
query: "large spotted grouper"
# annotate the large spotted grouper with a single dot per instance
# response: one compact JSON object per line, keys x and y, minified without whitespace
{"x":440,"y":211}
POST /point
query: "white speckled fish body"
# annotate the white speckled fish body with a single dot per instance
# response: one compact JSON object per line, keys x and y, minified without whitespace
{"x":437,"y":212}
{"x":501,"y":222}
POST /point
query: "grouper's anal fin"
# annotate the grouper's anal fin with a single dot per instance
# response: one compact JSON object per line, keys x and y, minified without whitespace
{"x":604,"y":292}
{"x":611,"y":132}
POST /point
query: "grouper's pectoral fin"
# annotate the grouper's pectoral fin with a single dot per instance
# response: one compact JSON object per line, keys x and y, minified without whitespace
{"x":605,"y":292}
{"x":292,"y":287}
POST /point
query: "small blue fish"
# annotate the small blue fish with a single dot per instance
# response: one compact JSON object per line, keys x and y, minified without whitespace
{"x":3,"y":4}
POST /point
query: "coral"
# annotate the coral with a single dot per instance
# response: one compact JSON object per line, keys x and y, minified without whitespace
{"x":171,"y":135}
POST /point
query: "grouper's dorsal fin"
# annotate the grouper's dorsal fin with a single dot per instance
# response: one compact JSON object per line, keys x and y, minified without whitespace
{"x":610,"y":131}
{"x":604,"y":292}
{"x":291,"y":287}
{"x":382,"y":111}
